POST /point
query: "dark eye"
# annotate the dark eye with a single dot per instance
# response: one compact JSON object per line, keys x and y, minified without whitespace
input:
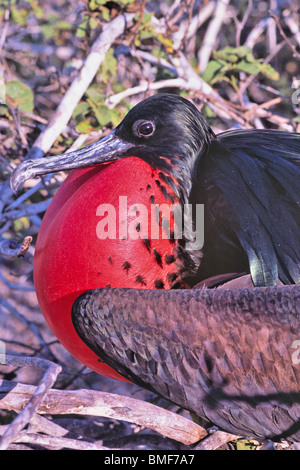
{"x":143,"y":128}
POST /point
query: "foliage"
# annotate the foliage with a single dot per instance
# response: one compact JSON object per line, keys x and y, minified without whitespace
{"x":19,"y":95}
{"x":227,"y":64}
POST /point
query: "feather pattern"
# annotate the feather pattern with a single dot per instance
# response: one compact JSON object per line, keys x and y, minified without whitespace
{"x":225,"y":354}
{"x":257,"y":173}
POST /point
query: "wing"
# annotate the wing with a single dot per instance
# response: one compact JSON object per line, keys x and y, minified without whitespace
{"x":257,"y":173}
{"x":226,"y":355}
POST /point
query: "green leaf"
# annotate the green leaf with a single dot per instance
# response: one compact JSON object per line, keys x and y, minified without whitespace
{"x":252,"y":68}
{"x":19,"y":96}
{"x":21,"y":224}
{"x":3,"y":110}
{"x":108,"y":67}
{"x":105,"y":13}
{"x":247,"y":444}
{"x":63,"y":25}
{"x":82,"y":28}
{"x":80,"y":112}
{"x":19,"y":16}
{"x":105,"y":116}
{"x":47,"y":30}
{"x":94,"y":4}
{"x":93,"y":23}
{"x":269,"y":71}
{"x":85,"y":127}
{"x":95,"y":95}
{"x":212,"y":69}
{"x":233,"y":54}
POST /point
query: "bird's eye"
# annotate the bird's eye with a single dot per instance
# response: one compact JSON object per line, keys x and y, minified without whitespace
{"x":144,"y":128}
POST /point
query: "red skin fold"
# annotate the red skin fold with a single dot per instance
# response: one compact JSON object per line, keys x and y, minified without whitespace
{"x":70,"y":258}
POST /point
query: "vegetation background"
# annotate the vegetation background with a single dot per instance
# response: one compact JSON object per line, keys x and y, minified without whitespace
{"x":238,"y":61}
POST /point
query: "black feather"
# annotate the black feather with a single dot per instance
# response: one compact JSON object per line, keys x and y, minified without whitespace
{"x":253,"y":179}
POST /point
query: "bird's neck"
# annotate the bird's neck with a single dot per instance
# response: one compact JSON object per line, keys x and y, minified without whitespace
{"x":180,"y":177}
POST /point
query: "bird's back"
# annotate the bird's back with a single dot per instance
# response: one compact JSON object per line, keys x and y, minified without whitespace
{"x":249,"y":182}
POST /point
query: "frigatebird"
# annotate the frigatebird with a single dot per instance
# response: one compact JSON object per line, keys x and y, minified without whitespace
{"x":226,"y":354}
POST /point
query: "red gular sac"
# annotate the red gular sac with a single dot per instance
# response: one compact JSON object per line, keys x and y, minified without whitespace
{"x":102,"y":229}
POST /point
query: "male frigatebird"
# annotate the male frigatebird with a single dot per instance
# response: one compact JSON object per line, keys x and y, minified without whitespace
{"x":229,"y":355}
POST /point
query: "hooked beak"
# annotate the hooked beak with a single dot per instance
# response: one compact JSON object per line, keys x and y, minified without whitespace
{"x":108,"y":149}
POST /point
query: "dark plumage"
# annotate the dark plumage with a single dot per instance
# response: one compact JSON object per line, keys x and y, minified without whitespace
{"x":248,"y":181}
{"x":225,"y":355}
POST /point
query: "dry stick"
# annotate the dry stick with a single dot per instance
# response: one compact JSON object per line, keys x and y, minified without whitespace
{"x":40,"y":424}
{"x":52,"y":437}
{"x":211,"y":34}
{"x":268,"y":59}
{"x":216,"y":440}
{"x":256,"y":32}
{"x":5,"y":28}
{"x":13,"y":249}
{"x":292,"y":25}
{"x":193,"y":81}
{"x":27,"y":210}
{"x":79,"y":85}
{"x":287,"y":40}
{"x":12,"y":285}
{"x":35,"y":330}
{"x":241,"y":24}
{"x":58,"y":442}
{"x":95,"y":403}
{"x":113,"y":100}
{"x":172,"y":20}
{"x":158,"y":61}
{"x":204,"y":13}
{"x":187,"y":25}
{"x":188,"y":79}
{"x":48,"y":379}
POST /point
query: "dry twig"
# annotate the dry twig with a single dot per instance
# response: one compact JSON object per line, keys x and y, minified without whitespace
{"x":13,"y":249}
{"x":95,"y":403}
{"x":216,"y":440}
{"x":48,"y":379}
{"x":211,"y":34}
{"x":79,"y":85}
{"x":287,"y":40}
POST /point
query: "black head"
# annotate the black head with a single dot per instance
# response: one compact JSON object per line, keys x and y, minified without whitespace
{"x":165,"y":125}
{"x":167,"y":131}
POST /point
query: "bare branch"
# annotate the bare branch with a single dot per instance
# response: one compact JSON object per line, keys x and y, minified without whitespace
{"x":48,"y":379}
{"x":12,"y":285}
{"x":287,"y":40}
{"x":30,"y":325}
{"x":256,"y":32}
{"x":79,"y":85}
{"x":27,"y":210}
{"x":216,"y":440}
{"x":292,"y":25}
{"x":211,"y":34}
{"x":95,"y":403}
{"x":240,"y":24}
{"x":58,"y":442}
{"x":13,"y":249}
